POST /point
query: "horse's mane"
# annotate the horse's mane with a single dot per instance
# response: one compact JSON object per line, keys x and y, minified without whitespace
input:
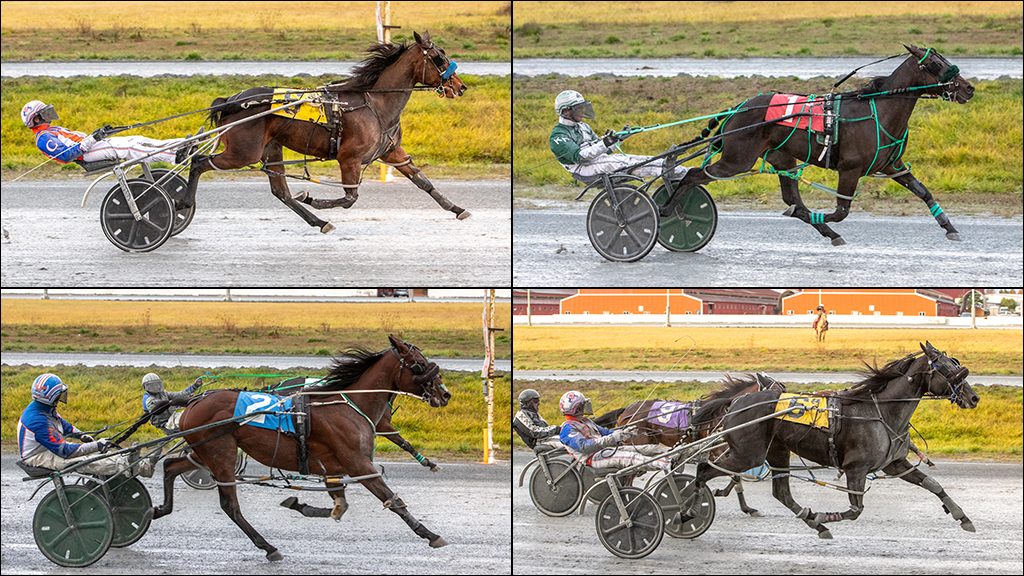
{"x":876,"y":379}
{"x":346,"y":368}
{"x":715,"y":404}
{"x":732,"y":387}
{"x":365,"y":75}
{"x":871,"y":86}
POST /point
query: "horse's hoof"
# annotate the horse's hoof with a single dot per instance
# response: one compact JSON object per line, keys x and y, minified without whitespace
{"x":326,"y":228}
{"x":438,"y":542}
{"x":838,"y":241}
{"x":275,"y":556}
{"x":148,"y":515}
{"x":463,"y":215}
{"x":753,"y":513}
{"x":825,"y":535}
{"x":954,"y":236}
{"x":301,"y":197}
{"x":968,"y":525}
{"x":790,"y":211}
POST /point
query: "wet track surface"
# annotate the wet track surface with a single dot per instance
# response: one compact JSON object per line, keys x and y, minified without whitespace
{"x":902,"y":530}
{"x":243,"y":236}
{"x":467,"y":504}
{"x":753,"y":248}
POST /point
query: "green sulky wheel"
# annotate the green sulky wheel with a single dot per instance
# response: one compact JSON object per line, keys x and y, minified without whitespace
{"x":693,"y":222}
{"x":83,"y":540}
{"x":130,"y":505}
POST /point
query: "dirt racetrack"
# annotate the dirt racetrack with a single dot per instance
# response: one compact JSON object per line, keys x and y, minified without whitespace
{"x":903,"y":530}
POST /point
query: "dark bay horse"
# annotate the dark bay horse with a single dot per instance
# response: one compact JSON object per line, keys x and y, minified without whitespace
{"x":873,"y":433}
{"x":663,"y":428}
{"x":374,"y":98}
{"x":340,"y":441}
{"x":872,"y":136}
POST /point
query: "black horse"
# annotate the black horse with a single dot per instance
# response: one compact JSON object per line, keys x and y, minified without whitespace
{"x":871,"y":139}
{"x":873,"y":433}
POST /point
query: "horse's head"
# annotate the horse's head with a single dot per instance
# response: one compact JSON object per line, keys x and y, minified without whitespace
{"x":424,"y":377}
{"x":437,"y":69}
{"x":949,"y":83}
{"x":946,"y":377}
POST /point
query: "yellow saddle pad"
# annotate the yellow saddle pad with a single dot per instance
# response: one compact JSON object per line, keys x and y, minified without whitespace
{"x":309,"y":111}
{"x":814,"y":413}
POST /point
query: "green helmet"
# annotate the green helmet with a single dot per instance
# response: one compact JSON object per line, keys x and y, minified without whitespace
{"x":571,"y":100}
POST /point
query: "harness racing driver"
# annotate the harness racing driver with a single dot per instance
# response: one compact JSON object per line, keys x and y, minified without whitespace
{"x":157,"y":400}
{"x":583,"y":154}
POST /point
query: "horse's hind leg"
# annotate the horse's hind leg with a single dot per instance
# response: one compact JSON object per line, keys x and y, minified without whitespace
{"x":914,"y":185}
{"x":778,"y":459}
{"x":915,"y":476}
{"x":403,"y":162}
{"x":791,"y":196}
{"x":173,"y":467}
{"x":279,"y":186}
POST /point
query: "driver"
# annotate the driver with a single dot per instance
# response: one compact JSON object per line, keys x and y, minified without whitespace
{"x":157,"y":400}
{"x":42,"y":434}
{"x":600,"y":447}
{"x":583,"y":154}
{"x":533,"y":429}
{"x":65,"y":145}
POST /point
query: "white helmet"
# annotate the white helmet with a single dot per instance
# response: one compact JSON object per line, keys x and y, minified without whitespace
{"x":571,"y":100}
{"x":35,"y":113}
{"x":152,"y":383}
{"x":574,"y":403}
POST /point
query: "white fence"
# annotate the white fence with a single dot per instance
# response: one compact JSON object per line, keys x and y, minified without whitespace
{"x":297,"y":294}
{"x":836,"y":321}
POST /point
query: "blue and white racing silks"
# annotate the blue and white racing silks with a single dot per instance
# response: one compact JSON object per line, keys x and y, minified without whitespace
{"x":59,"y":143}
{"x":249,"y":402}
{"x":577,"y":436}
{"x":41,"y":428}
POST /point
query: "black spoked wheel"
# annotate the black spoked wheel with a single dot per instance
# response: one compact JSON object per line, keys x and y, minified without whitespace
{"x":121,"y":227}
{"x":175,"y":186}
{"x":696,"y":519}
{"x":623,"y":224}
{"x":635,"y":534}
{"x":560,"y":497}
{"x":692,"y":223}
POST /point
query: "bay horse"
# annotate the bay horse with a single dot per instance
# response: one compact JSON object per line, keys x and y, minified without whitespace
{"x":820,"y":324}
{"x":653,"y":430}
{"x":873,"y":433}
{"x":374,"y":98}
{"x":341,"y":437}
{"x":872,"y":136}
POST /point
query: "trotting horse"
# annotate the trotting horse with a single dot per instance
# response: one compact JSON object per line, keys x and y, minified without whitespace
{"x":340,"y":442}
{"x":873,"y":434}
{"x":872,"y":136}
{"x":663,"y":427}
{"x":376,"y":94}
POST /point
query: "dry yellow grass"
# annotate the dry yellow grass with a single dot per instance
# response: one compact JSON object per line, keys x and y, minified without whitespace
{"x":248,"y":15}
{"x":661,"y":12}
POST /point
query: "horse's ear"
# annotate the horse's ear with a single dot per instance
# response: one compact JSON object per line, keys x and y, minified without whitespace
{"x":927,"y":347}
{"x":394,"y":342}
{"x":422,"y":40}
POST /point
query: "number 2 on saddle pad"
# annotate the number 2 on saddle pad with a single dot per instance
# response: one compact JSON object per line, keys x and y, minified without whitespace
{"x":249,"y":402}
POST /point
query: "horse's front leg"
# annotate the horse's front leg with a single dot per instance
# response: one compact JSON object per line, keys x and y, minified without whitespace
{"x":273,"y":154}
{"x":392,"y":502}
{"x":403,"y":162}
{"x":915,"y":476}
{"x":914,"y":185}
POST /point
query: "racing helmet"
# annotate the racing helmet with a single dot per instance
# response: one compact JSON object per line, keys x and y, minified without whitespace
{"x":152,"y":383}
{"x":35,"y":113}
{"x":571,"y":100}
{"x":527,"y":396}
{"x":49,"y":389}
{"x":574,"y":403}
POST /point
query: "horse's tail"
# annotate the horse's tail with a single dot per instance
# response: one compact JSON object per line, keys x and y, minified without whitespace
{"x":707,"y":131}
{"x":216,"y":109}
{"x":253,"y":99}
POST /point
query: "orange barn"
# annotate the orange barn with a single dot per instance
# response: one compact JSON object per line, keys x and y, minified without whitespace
{"x":868,"y":302}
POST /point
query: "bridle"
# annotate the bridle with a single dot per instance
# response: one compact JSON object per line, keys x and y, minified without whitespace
{"x":445,"y":68}
{"x":424,"y":373}
{"x":945,"y":72}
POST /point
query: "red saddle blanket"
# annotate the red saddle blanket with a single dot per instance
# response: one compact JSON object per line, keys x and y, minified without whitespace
{"x":786,"y":104}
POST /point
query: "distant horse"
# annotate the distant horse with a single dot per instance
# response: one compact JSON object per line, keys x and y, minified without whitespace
{"x":820,"y":325}
{"x":671,"y":423}
{"x":373,"y":98}
{"x":341,"y":438}
{"x":873,"y":433}
{"x":872,"y":136}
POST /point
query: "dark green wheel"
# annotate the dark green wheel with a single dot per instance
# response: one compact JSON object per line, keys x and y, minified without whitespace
{"x":130,"y":506}
{"x":692,"y":223}
{"x":622,"y":224}
{"x":83,"y":540}
{"x":697,"y":518}
{"x":636,"y":534}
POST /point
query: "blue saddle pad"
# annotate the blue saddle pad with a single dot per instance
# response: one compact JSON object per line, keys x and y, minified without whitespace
{"x":249,"y":402}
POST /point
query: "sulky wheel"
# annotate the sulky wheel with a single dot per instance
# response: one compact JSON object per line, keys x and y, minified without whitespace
{"x":175,"y":187}
{"x":200,"y":479}
{"x":638,"y":533}
{"x":82,"y":540}
{"x":129,"y":234}
{"x":697,"y":519}
{"x":130,"y":506}
{"x":623,"y":224}
{"x":692,"y":223}
{"x":560,"y":498}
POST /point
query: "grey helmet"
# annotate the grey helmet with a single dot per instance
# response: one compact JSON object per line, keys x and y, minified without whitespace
{"x":152,"y":383}
{"x":527,"y":396}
